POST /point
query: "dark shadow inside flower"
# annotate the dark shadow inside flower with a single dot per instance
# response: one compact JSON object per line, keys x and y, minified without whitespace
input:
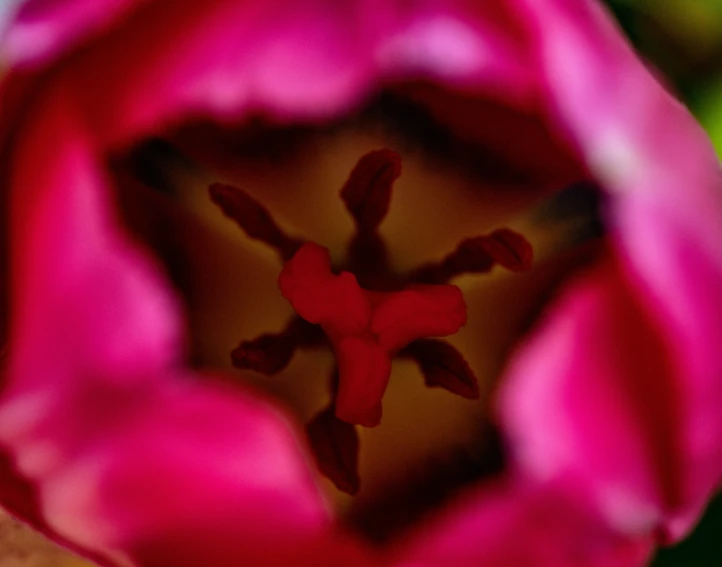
{"x":470,"y":169}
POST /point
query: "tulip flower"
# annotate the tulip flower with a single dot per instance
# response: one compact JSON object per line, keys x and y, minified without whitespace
{"x":607,"y":439}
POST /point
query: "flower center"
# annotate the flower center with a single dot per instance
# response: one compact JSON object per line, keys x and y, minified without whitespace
{"x":366,"y":326}
{"x":368,"y":320}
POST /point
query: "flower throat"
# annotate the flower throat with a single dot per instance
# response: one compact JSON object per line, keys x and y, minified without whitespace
{"x":364,"y":311}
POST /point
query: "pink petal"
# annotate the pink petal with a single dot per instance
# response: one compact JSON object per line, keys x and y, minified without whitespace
{"x":513,"y":524}
{"x":593,"y":395}
{"x":665,"y":206}
{"x":221,"y":58}
{"x":114,"y":439}
{"x":313,"y":59}
{"x":193,"y":474}
{"x":463,"y":44}
{"x":43,"y":29}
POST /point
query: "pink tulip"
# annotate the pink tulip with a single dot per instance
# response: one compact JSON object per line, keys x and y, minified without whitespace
{"x":114,"y":448}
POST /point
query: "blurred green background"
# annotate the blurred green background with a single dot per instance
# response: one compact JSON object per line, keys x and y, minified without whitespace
{"x":683,"y":40}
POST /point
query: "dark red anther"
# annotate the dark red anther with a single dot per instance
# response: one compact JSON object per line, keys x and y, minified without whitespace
{"x":480,"y":254}
{"x":267,"y":354}
{"x":270,"y":353}
{"x":253,"y":218}
{"x":335,"y":446}
{"x":444,"y":367}
{"x":367,"y":192}
{"x":509,"y":249}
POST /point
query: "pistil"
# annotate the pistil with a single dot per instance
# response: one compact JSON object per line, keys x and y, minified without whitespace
{"x":366,"y":328}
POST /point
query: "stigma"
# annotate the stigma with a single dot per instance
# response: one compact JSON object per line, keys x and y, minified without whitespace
{"x":364,"y":312}
{"x":366,"y":328}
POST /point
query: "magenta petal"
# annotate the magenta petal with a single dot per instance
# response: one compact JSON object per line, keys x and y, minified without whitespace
{"x":96,"y":412}
{"x":148,"y":489}
{"x":664,"y":191}
{"x":43,"y":29}
{"x":220,"y":58}
{"x":313,"y":59}
{"x":514,"y":524}
{"x":88,"y":302}
{"x":462,"y":44}
{"x":598,"y":395}
{"x":679,"y":269}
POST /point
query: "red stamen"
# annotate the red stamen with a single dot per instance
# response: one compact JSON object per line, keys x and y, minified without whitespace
{"x":335,"y":446}
{"x":478,"y":255}
{"x":270,"y":353}
{"x":443,"y":367}
{"x":365,"y":328}
{"x":253,"y":218}
{"x":367,"y":192}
